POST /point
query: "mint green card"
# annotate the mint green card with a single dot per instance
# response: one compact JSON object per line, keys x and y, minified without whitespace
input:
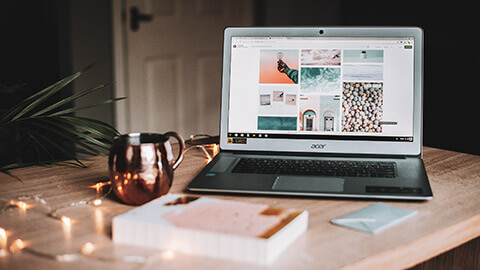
{"x":374,"y":218}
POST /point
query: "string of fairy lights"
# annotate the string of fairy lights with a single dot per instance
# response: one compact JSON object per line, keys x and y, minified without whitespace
{"x":21,"y":245}
{"x":87,"y":250}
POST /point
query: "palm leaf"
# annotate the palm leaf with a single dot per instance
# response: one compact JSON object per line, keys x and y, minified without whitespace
{"x":99,"y":125}
{"x":45,"y":162}
{"x":66,"y":100}
{"x":7,"y":172}
{"x":6,"y":169}
{"x":71,"y":129}
{"x":55,"y":145}
{"x":38,"y":144}
{"x":79,"y":108}
{"x":33,"y":101}
{"x":88,"y":128}
{"x":37,"y":122}
{"x":68,"y":136}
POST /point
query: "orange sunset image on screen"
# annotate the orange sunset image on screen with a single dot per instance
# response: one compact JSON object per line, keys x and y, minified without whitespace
{"x":279,"y":66}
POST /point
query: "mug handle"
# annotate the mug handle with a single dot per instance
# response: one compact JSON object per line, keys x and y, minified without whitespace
{"x":182,"y":147}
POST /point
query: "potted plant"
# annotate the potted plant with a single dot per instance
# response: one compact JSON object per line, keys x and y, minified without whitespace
{"x":50,"y":131}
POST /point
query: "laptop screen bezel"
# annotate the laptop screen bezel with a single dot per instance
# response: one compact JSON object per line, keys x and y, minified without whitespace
{"x":328,"y":146}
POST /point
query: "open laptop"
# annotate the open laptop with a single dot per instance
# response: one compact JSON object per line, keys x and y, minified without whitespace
{"x":325,"y":111}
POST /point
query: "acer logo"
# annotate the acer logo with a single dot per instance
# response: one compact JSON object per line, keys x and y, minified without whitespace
{"x":318,"y":146}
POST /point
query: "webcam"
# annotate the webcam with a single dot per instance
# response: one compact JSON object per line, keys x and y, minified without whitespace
{"x":321,"y":32}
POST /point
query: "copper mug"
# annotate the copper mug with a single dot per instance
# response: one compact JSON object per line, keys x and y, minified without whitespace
{"x":141,"y":166}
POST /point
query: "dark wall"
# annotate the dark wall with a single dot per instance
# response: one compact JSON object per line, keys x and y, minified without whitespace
{"x":91,"y":42}
{"x":29,"y":47}
{"x":450,"y":54}
{"x":37,"y":48}
{"x":42,"y":42}
{"x":33,"y":55}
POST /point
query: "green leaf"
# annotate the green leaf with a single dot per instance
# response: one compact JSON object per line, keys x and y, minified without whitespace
{"x":80,"y":150}
{"x":71,"y":129}
{"x":107,"y":128}
{"x":55,"y":145}
{"x":31,"y":102}
{"x":5,"y":171}
{"x":36,"y":141}
{"x":79,"y":108}
{"x":69,"y":99}
{"x":67,"y":136}
{"x":89,"y":128}
{"x":40,"y":123}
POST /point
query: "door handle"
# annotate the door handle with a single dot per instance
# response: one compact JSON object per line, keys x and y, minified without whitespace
{"x":136,"y":17}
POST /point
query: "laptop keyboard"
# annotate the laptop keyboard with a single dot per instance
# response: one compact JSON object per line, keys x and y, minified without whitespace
{"x":315,"y":167}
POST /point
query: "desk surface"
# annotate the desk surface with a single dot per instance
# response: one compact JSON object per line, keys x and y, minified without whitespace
{"x":450,"y":219}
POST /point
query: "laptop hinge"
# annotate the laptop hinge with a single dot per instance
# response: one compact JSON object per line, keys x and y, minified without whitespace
{"x":303,"y":154}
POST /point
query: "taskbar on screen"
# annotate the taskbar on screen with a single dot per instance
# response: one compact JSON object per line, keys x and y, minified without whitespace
{"x":320,"y":137}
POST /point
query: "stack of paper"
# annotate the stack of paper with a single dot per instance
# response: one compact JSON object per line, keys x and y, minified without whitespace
{"x":245,"y":232}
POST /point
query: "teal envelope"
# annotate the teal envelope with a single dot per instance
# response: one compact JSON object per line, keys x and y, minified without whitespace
{"x":374,"y":218}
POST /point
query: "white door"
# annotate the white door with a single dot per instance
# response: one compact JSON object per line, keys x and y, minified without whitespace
{"x":174,"y":62}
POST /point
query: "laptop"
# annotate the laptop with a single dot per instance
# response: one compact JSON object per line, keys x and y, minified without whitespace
{"x":320,"y":111}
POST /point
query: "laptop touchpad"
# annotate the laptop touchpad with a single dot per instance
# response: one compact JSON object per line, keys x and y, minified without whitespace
{"x":308,"y":184}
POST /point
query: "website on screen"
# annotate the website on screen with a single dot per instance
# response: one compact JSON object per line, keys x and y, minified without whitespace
{"x":320,"y":87}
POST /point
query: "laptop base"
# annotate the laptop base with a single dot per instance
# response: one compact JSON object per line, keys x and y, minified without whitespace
{"x":411,"y":182}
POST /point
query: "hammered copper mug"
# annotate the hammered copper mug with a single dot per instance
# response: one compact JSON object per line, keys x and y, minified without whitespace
{"x":141,"y":166}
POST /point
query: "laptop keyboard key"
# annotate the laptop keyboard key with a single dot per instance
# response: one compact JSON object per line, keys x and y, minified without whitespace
{"x":316,"y":167}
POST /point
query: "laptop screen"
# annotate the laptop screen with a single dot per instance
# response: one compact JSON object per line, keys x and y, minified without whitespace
{"x":339,"y":88}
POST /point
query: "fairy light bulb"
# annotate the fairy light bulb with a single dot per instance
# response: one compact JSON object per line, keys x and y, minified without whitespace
{"x":22,"y":205}
{"x":87,"y":248}
{"x":3,"y":239}
{"x":97,"y":187}
{"x":17,"y":245}
{"x":66,"y":221}
{"x":97,"y":202}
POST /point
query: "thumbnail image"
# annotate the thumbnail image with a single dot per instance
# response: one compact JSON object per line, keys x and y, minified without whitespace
{"x":277,"y":100}
{"x":362,"y":107}
{"x":363,"y":72}
{"x":278,"y":96}
{"x":309,"y":112}
{"x":291,"y":99}
{"x":279,"y":66}
{"x":323,"y":80}
{"x":329,"y":113}
{"x":276,"y":123}
{"x":321,"y":57}
{"x":363,"y":56}
{"x":265,"y":100}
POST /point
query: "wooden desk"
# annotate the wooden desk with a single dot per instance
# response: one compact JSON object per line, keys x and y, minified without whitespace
{"x":449,"y":220}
